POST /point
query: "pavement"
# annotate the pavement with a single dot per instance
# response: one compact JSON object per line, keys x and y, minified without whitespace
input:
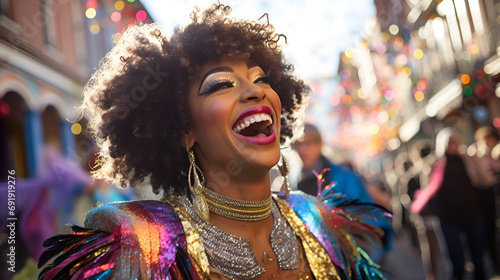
{"x":403,"y":262}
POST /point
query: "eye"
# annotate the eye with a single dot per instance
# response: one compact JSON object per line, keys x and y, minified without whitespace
{"x":262,"y":79}
{"x":217,"y":85}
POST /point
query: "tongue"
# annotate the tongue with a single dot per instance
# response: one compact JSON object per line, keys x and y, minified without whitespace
{"x":259,"y":129}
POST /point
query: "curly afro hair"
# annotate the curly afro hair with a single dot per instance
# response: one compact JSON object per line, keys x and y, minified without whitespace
{"x":137,"y":101}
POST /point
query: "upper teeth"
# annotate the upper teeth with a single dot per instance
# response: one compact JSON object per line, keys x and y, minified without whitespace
{"x":247,"y":121}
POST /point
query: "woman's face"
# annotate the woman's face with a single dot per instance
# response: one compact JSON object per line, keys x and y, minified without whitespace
{"x":236,"y":118}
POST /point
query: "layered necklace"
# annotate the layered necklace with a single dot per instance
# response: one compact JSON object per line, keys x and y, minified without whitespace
{"x":232,"y":255}
{"x":248,"y":211}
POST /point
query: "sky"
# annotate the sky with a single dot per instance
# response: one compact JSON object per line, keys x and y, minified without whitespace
{"x":317,"y":31}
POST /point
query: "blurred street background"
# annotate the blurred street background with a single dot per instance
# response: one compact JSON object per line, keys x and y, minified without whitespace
{"x":387,"y":76}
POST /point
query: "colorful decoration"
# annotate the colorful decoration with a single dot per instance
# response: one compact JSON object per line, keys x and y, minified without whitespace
{"x":117,"y":15}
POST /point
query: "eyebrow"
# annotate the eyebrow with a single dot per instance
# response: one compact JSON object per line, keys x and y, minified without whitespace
{"x":215,"y":70}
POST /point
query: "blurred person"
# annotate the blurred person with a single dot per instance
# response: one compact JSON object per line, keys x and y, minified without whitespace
{"x":216,"y":102}
{"x":426,"y":224}
{"x":401,"y":165}
{"x":44,"y":204}
{"x":314,"y":163}
{"x":486,"y":138}
{"x":451,"y":189}
{"x":407,"y":183}
{"x":345,"y":181}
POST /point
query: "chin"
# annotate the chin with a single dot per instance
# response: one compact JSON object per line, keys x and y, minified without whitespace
{"x":261,"y":157}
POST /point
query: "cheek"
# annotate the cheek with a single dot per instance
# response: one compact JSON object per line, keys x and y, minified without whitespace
{"x":212,"y":114}
{"x":275,"y":101}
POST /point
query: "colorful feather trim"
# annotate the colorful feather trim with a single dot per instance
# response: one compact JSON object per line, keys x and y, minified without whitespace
{"x":128,"y":240}
{"x":346,"y":229}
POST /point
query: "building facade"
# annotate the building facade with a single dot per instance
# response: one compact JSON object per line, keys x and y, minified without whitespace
{"x":48,"y":50}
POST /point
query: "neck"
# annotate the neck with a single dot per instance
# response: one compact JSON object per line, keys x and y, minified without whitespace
{"x":255,"y":188}
{"x":243,"y":188}
{"x":255,"y":191}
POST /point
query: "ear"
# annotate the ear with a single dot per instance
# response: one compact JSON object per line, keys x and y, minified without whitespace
{"x":189,"y":139}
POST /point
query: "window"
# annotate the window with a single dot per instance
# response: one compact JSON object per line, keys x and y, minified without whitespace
{"x":47,"y":15}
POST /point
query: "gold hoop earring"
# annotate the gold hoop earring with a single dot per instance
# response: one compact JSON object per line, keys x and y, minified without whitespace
{"x":284,"y":169}
{"x":199,"y":203}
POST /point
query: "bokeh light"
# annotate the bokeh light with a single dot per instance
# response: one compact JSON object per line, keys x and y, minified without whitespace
{"x":382,"y":117}
{"x":473,"y":49}
{"x":389,"y":95}
{"x":496,"y":122}
{"x":4,"y":109}
{"x":399,"y":42}
{"x":349,"y":52}
{"x":481,"y":113}
{"x":394,"y":29}
{"x":468,"y":90}
{"x":422,"y":84}
{"x":374,"y":128}
{"x":465,"y":79}
{"x":480,"y":90}
{"x":335,"y":100}
{"x":76,"y":128}
{"x":418,"y":53}
{"x":91,"y":4}
{"x":347,"y":99}
{"x":419,"y":96}
{"x":90,"y":13}
{"x":402,"y":59}
{"x":407,"y":71}
{"x":355,"y":110}
{"x":141,"y":15}
{"x":94,"y":28}
{"x":345,"y":74}
{"x":116,"y":16}
{"x":381,"y":48}
{"x":119,"y":5}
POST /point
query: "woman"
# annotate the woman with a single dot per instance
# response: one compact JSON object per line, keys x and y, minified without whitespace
{"x":201,"y":116}
{"x":453,"y":198}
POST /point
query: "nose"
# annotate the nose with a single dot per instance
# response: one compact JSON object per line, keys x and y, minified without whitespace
{"x":252,"y":92}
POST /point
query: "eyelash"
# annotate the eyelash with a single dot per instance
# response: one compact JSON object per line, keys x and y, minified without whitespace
{"x":218,"y":85}
{"x":224,"y":83}
{"x":262,"y":79}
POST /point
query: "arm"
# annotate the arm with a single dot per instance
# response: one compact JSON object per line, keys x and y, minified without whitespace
{"x":435,"y":180}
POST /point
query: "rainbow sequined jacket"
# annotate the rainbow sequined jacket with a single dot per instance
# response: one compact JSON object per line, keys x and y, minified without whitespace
{"x":155,"y":240}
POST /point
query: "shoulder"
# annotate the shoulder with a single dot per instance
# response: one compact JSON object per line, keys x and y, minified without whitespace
{"x":126,"y":240}
{"x":342,"y":172}
{"x":109,"y":217}
{"x":342,"y":227}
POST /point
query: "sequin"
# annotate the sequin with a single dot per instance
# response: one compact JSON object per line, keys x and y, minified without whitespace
{"x":149,"y":240}
{"x":233,"y":255}
{"x":319,"y":262}
{"x":149,"y":231}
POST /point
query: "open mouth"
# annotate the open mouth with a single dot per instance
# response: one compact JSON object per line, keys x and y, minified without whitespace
{"x":256,"y":125}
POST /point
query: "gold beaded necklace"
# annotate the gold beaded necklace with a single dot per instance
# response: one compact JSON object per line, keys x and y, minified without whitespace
{"x":248,"y":211}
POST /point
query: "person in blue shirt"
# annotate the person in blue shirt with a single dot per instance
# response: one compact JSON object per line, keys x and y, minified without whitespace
{"x":346,"y":182}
